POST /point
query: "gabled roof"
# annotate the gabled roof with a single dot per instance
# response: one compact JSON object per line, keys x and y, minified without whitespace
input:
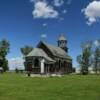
{"x":56,"y":51}
{"x":37,"y":52}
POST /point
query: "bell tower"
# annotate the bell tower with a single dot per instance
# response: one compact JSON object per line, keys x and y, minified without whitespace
{"x":62,"y":43}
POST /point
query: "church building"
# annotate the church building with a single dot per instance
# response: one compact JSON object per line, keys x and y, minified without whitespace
{"x":49,"y":59}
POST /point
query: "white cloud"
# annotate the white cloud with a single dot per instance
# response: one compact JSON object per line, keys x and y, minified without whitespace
{"x":44,"y":24}
{"x":43,"y":36}
{"x":64,"y":11}
{"x":43,"y":10}
{"x":32,"y":0}
{"x":97,"y":43}
{"x":92,"y":12}
{"x":58,"y":2}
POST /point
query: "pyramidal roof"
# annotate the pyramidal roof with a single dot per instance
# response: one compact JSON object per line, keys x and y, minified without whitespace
{"x":37,"y":52}
{"x":61,"y":37}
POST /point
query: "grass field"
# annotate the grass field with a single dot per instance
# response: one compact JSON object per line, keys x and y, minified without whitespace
{"x":71,"y":87}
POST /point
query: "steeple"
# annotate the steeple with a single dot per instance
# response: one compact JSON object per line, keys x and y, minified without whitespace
{"x":62,"y":42}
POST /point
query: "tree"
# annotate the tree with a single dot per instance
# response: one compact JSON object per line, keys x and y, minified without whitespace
{"x":85,"y":58}
{"x":97,"y":57}
{"x":26,"y":50}
{"x":4,"y":50}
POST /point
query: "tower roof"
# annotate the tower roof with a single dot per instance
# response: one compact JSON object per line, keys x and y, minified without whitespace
{"x":61,"y":37}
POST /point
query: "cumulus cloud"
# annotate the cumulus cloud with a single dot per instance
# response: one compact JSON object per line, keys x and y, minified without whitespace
{"x":58,"y":2}
{"x":92,"y":12}
{"x":43,"y":10}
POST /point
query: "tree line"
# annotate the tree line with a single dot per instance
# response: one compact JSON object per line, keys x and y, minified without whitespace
{"x":4,"y":50}
{"x":90,"y":57}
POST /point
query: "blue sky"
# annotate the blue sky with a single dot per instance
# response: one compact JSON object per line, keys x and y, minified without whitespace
{"x":22,"y":22}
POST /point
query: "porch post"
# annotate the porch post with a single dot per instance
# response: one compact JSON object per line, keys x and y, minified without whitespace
{"x":42,"y":66}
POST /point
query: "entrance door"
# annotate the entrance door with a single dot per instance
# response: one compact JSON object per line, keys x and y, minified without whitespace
{"x":36,"y":68}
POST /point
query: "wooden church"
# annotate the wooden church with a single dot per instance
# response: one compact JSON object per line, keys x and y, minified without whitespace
{"x":49,"y":59}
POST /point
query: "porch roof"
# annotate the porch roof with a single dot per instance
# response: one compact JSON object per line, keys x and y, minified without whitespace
{"x":37,"y":52}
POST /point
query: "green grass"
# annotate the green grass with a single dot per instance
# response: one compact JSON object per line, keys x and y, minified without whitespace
{"x":71,"y":87}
